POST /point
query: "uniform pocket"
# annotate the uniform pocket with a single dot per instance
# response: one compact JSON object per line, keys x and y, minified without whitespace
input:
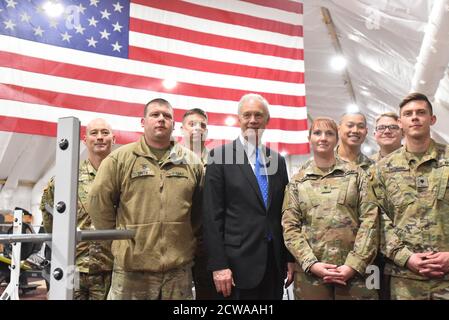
{"x":443,"y":189}
{"x":348,"y":195}
{"x":401,"y":189}
{"x":179,"y":180}
{"x":308,"y":199}
{"x":143,"y":251}
{"x":142,"y":168}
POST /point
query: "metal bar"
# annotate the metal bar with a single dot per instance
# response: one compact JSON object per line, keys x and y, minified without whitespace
{"x":327,"y":19}
{"x":10,"y":238}
{"x":15,"y":255}
{"x":84,"y":235}
{"x":63,"y":267}
{"x":12,"y":290}
{"x":10,"y":225}
{"x":88,"y":235}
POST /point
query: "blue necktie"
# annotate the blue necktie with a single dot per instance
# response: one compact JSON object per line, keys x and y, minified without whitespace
{"x":261,"y":178}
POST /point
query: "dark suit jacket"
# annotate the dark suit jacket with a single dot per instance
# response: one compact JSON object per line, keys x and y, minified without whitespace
{"x":236,"y":222}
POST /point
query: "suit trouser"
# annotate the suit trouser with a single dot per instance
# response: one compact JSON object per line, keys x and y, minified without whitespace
{"x":203,"y":280}
{"x":270,"y":288}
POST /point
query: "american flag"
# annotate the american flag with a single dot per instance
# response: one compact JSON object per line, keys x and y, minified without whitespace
{"x":107,"y":58}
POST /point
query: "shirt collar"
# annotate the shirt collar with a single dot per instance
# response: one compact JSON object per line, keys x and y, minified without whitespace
{"x":250,"y":149}
{"x":430,"y":154}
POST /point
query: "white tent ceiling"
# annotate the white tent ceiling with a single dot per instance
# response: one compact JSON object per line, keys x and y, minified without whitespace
{"x":382,"y":41}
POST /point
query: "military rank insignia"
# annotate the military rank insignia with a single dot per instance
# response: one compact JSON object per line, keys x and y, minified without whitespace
{"x":325,"y":188}
{"x":422,"y":182}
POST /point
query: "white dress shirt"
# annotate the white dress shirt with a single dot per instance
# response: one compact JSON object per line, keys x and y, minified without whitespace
{"x":250,"y":151}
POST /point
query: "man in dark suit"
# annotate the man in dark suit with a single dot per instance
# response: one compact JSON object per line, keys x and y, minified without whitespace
{"x":243,"y":195}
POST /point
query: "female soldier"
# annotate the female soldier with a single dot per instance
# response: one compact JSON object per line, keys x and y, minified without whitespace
{"x":330,"y":222}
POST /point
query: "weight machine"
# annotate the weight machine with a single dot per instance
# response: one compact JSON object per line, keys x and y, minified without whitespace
{"x":64,"y":236}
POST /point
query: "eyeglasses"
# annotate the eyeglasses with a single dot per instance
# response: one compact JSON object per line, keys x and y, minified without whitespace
{"x":392,"y":127}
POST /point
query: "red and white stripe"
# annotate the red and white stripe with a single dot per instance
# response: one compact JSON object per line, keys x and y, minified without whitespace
{"x":215,"y":50}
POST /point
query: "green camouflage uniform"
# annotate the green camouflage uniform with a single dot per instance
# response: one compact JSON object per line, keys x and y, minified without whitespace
{"x":93,"y":259}
{"x":376,"y":157}
{"x":362,"y":160}
{"x":413,"y":193}
{"x":330,"y":218}
{"x":161,"y":201}
{"x":366,"y":163}
{"x":384,"y":290}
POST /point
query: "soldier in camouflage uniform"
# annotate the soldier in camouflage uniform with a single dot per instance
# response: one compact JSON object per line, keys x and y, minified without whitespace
{"x":93,"y":259}
{"x":330,"y":223}
{"x":194,"y":130}
{"x":352,"y":131}
{"x":154,"y":187}
{"x":412,"y":189}
{"x":388,"y":135}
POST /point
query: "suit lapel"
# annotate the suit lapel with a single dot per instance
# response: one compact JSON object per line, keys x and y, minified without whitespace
{"x":248,"y":171}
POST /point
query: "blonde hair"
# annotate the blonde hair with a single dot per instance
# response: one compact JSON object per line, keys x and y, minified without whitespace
{"x":328,"y":122}
{"x":392,"y":115}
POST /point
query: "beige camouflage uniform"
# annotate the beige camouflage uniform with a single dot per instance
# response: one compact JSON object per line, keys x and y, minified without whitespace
{"x":93,"y":259}
{"x":161,"y":201}
{"x":376,"y":157}
{"x":384,"y":290}
{"x":413,"y":194}
{"x":328,"y":217}
{"x":362,"y":160}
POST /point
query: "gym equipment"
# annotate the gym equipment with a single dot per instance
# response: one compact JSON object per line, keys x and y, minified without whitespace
{"x":64,"y":236}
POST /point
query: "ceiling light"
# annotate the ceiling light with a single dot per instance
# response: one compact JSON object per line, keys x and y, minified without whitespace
{"x":53,"y":9}
{"x":352,"y":108}
{"x":338,"y":63}
{"x":169,"y":84}
{"x":353,"y":37}
{"x":365,"y":93}
{"x":230,"y":121}
{"x":367,"y":150}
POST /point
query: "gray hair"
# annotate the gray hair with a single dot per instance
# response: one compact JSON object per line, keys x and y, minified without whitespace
{"x":254,"y":96}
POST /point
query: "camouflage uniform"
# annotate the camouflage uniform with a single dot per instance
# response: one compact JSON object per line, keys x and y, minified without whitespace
{"x":366,"y":163}
{"x":362,"y":160}
{"x":384,"y":291}
{"x":93,"y":259}
{"x":146,"y":285}
{"x":376,"y":157}
{"x":330,"y":218}
{"x":161,"y":201}
{"x":413,"y":193}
